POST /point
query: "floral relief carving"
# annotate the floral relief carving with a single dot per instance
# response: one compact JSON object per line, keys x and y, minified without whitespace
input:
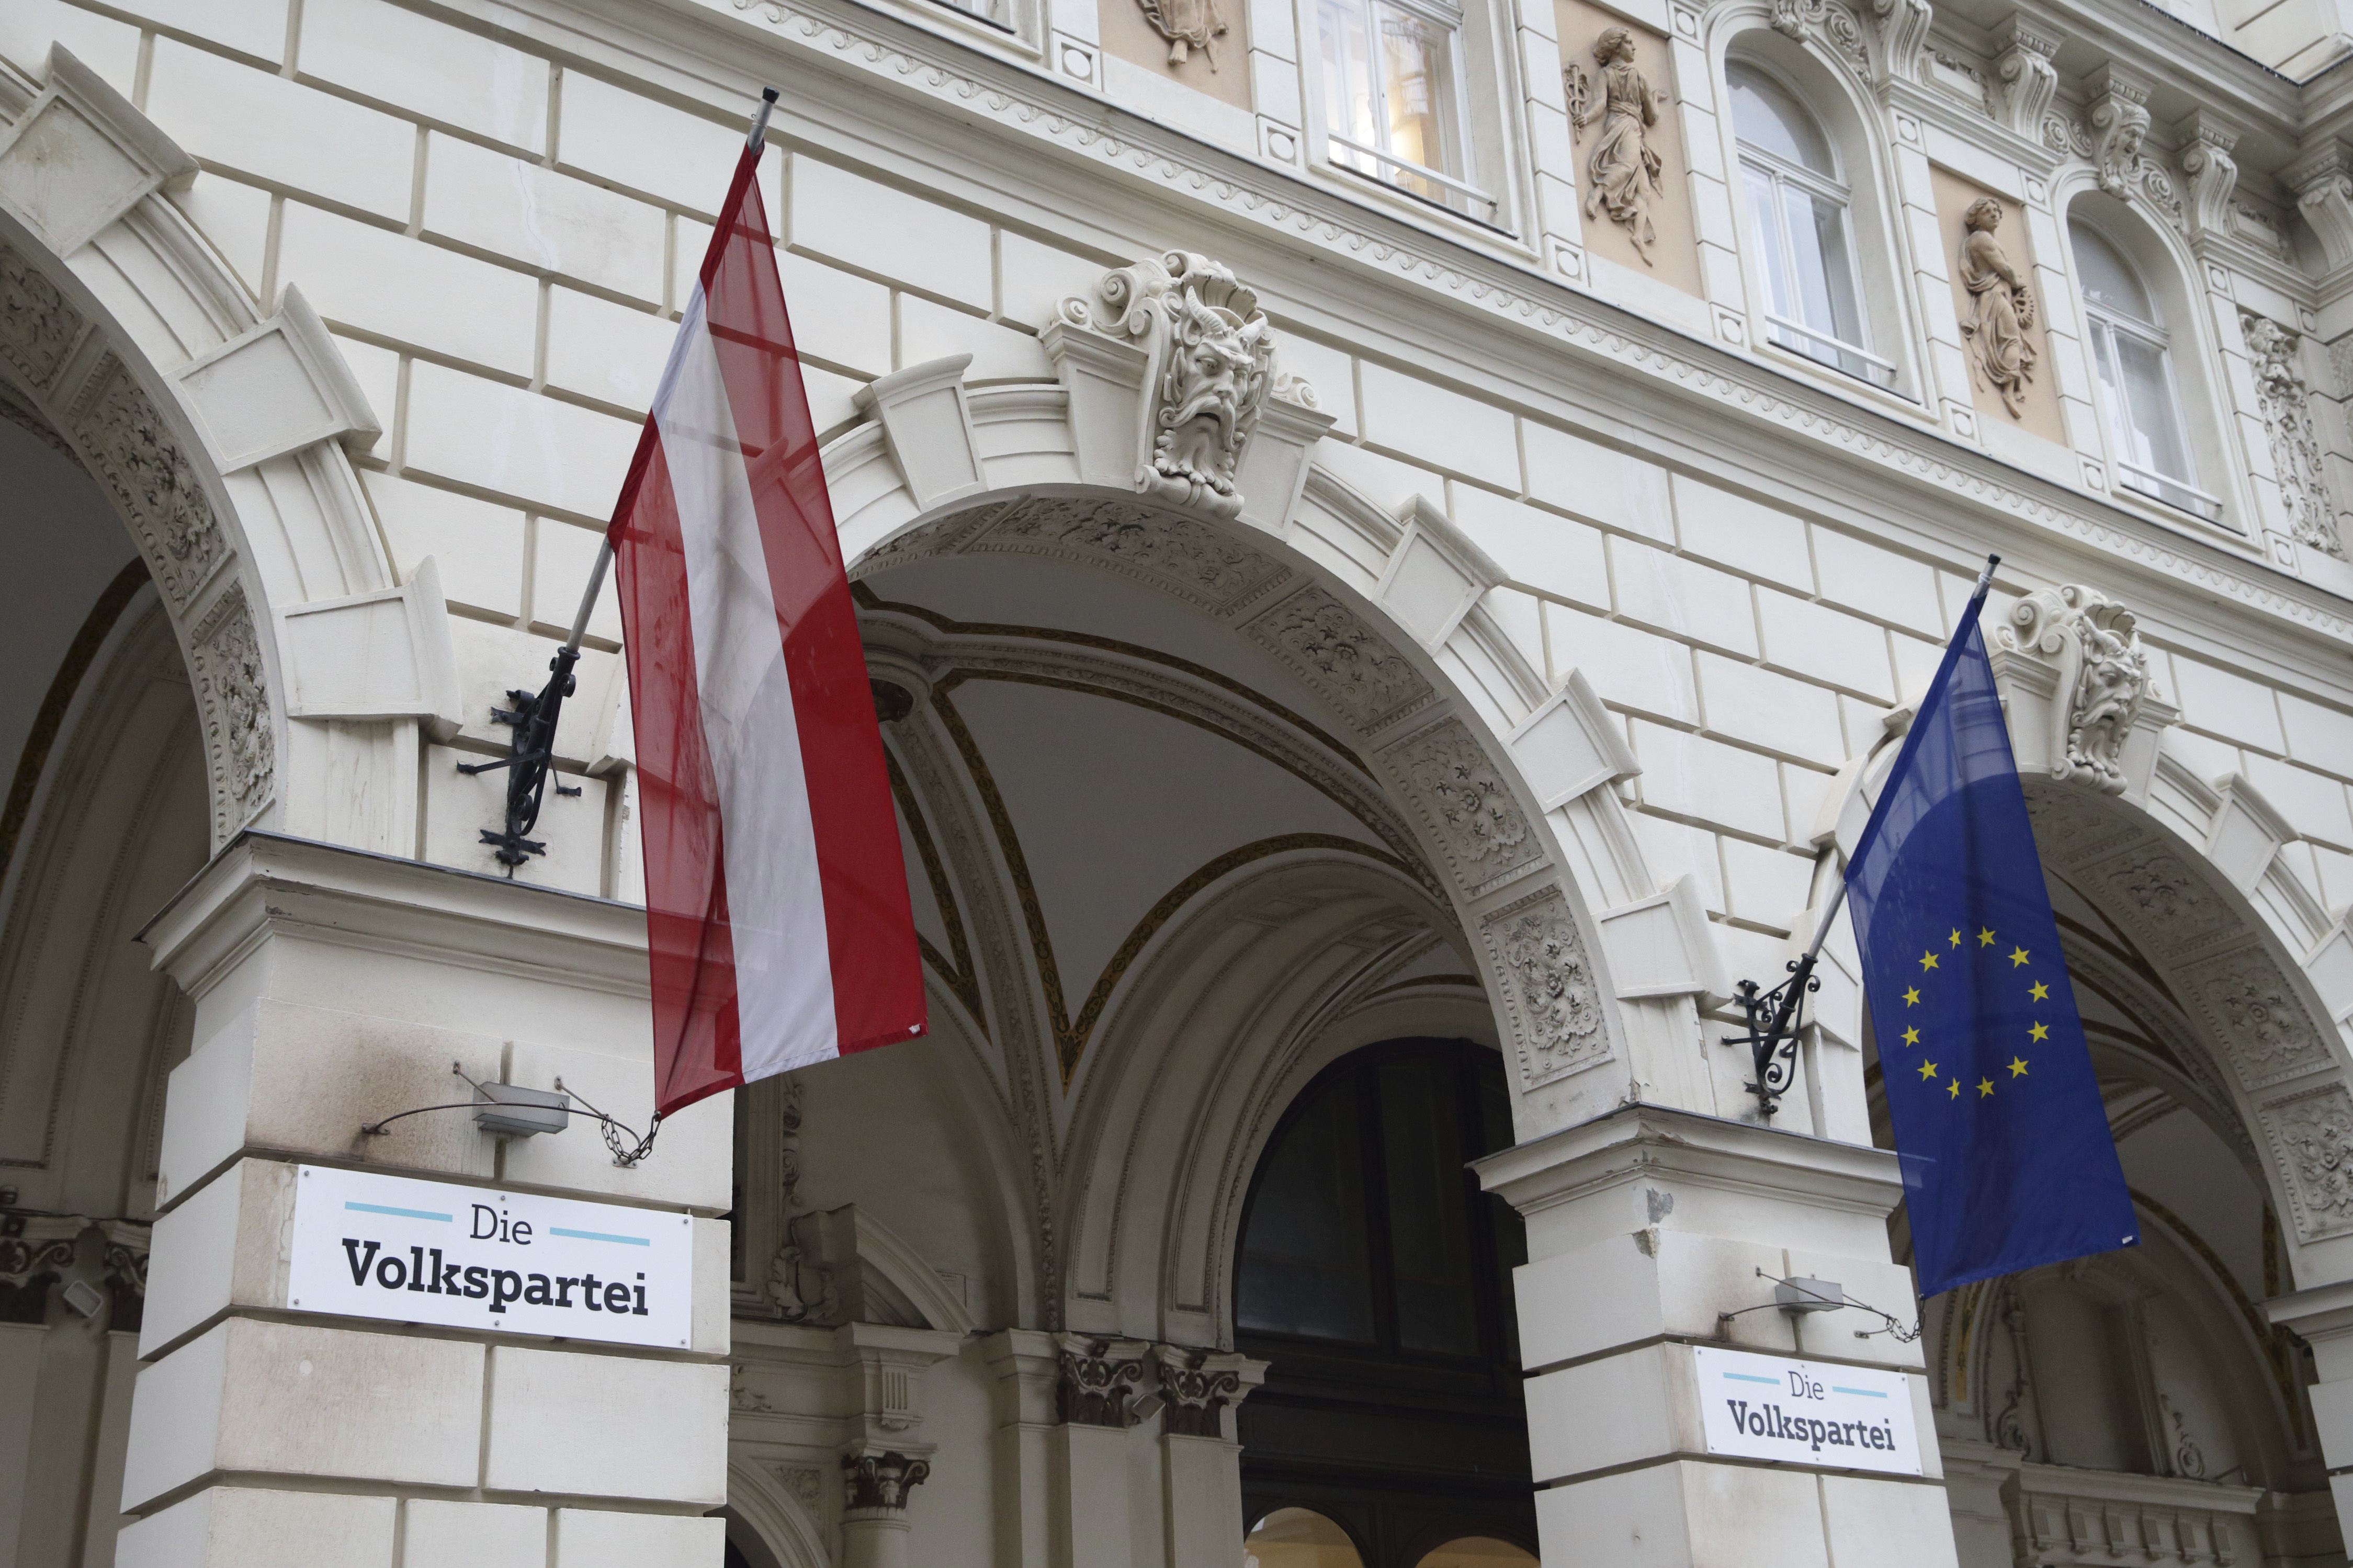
{"x":37,"y":327}
{"x":2312,"y":1135}
{"x":1098,"y":1379}
{"x":881,"y":1483}
{"x":1187,"y":557}
{"x":232,"y":698}
{"x":2103,"y":679}
{"x":1480,"y":826}
{"x":1209,"y":354}
{"x":1624,"y":169}
{"x":1368,"y":682}
{"x":2269,"y":1034}
{"x":2283,"y":403}
{"x":1197,"y":1386}
{"x":2001,"y":309}
{"x":805,"y":1482}
{"x":1556,"y":1010}
{"x":137,"y":457}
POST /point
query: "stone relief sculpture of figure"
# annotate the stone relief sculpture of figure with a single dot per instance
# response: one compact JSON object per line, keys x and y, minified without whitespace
{"x":1188,"y":25}
{"x":2103,"y":678}
{"x":2001,"y":309}
{"x":1623,"y":168}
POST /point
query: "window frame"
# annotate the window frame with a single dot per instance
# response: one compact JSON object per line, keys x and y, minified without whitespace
{"x":1488,"y":204}
{"x":2108,"y":369}
{"x":1837,"y":188}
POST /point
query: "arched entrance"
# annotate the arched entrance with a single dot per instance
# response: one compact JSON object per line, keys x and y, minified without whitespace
{"x":1375,"y":1279}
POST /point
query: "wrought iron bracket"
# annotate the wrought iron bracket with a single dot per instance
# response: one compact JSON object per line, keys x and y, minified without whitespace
{"x":1774,"y":1019}
{"x":530,"y":753}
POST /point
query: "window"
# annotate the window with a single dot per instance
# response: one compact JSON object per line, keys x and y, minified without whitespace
{"x":1394,"y":98}
{"x":1375,"y":1277}
{"x":2137,"y":396}
{"x":1801,"y":226}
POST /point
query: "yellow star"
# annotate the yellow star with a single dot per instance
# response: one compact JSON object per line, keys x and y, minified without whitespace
{"x":2018,"y":1066}
{"x":2017,"y":956}
{"x":1927,"y":1069}
{"x":1957,"y":936}
{"x":1985,"y":1087}
{"x":2040,"y":1032}
{"x":1985,"y":938}
{"x":1952,"y":1090}
{"x":1911,"y":1036}
{"x":1927,"y":961}
{"x":2040,"y":992}
{"x":1912,"y":997}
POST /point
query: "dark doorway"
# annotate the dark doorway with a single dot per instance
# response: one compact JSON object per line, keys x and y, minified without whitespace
{"x":1375,"y":1277}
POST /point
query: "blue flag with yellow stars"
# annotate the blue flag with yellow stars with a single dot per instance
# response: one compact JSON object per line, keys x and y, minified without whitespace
{"x":2006,"y":1156}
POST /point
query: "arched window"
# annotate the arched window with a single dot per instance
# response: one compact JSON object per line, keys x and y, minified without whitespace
{"x":1376,"y":1278}
{"x":2131,"y":352}
{"x":1802,"y":228}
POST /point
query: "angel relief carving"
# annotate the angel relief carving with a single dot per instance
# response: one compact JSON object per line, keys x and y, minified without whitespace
{"x":2001,"y":309}
{"x":1624,"y":170}
{"x":1188,"y":25}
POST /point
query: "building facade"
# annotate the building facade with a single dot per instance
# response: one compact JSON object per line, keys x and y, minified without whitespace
{"x":1395,"y":540}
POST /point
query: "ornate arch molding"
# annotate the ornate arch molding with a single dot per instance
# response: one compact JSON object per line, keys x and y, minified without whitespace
{"x":779,"y":1502}
{"x":1174,"y":452}
{"x":123,"y":333}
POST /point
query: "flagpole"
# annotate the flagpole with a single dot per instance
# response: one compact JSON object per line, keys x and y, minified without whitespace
{"x":1774,"y":1044}
{"x":753,"y":143}
{"x":532,"y":751}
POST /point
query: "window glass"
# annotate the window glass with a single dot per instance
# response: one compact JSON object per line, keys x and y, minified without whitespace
{"x":1393,"y":98}
{"x":1298,"y":1538}
{"x":1477,"y":1552}
{"x":2108,"y":278}
{"x":1306,"y":1268}
{"x":1768,"y":119}
{"x":1430,"y":1241}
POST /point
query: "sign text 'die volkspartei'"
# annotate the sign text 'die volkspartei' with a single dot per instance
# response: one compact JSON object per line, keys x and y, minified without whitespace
{"x":395,"y":1249}
{"x":1808,"y":1413}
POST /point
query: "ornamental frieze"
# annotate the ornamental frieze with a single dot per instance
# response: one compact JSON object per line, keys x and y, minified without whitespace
{"x":1350,"y":663}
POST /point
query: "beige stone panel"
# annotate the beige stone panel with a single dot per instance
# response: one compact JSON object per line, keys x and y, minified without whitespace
{"x":587,"y":1538}
{"x":2040,"y":414}
{"x":1674,"y":259}
{"x":236,"y":1527}
{"x":471,"y":1535}
{"x":604,"y":1426}
{"x":1222,"y":71}
{"x":300,"y":1400}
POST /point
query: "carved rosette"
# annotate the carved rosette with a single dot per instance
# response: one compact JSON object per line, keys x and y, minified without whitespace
{"x":1481,"y":830}
{"x":1097,"y":1380}
{"x":2104,"y":678}
{"x":1350,"y":663}
{"x":1554,"y":1007}
{"x":2266,"y":1031}
{"x":2283,"y":403}
{"x":232,"y":701}
{"x":2311,"y":1136}
{"x":1209,"y":370}
{"x":877,"y":1485}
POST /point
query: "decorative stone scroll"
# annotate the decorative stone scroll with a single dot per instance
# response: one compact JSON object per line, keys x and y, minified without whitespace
{"x":1197,"y":1386}
{"x":2119,"y":125}
{"x":879,"y":1482}
{"x":1209,"y":369}
{"x":1097,"y":1380}
{"x":2283,"y":403}
{"x":2102,"y":678}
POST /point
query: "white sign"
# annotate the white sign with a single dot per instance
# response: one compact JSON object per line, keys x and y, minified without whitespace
{"x":1808,"y":1412}
{"x":370,"y":1246}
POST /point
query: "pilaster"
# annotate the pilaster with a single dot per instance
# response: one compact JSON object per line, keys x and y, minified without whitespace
{"x":1653,"y":1233}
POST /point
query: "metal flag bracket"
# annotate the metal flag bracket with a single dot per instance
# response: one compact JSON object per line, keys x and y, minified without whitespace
{"x":1774,"y":1017}
{"x":531,"y":751}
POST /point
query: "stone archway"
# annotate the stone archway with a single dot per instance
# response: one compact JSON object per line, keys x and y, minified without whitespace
{"x":1204,"y":487}
{"x":223,"y":436}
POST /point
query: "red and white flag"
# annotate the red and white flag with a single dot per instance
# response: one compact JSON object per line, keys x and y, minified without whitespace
{"x":776,"y":895}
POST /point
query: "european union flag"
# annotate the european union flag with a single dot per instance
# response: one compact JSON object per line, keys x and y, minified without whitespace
{"x":2008,"y":1160}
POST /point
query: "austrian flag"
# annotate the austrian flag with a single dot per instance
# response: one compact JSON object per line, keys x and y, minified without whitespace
{"x":776,"y":897}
